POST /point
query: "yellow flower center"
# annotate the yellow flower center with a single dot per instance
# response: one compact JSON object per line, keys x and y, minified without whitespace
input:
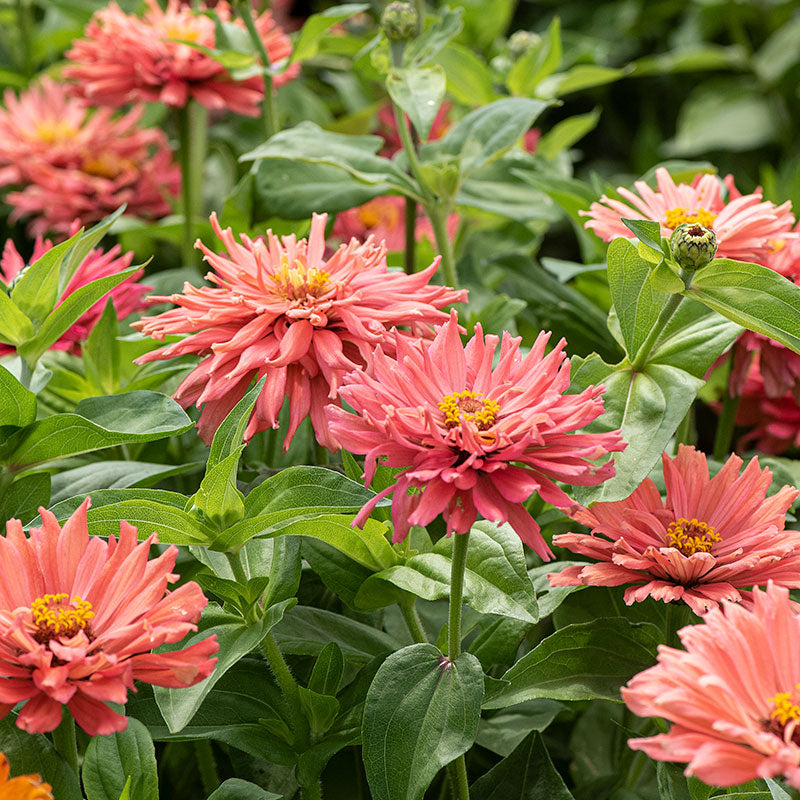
{"x":52,"y":131}
{"x":776,"y":245}
{"x":57,"y":615}
{"x":181,"y":29}
{"x":785,"y":716}
{"x":469,"y":407}
{"x":104,"y":165}
{"x":691,"y":536}
{"x":300,"y":281}
{"x":376,"y":213}
{"x":678,"y":216}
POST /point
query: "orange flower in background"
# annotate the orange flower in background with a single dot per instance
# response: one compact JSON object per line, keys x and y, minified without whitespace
{"x":124,"y":58}
{"x":66,"y":162}
{"x":732,"y":694}
{"x":79,"y":617}
{"x":279,"y":308}
{"x":709,"y":539}
{"x":745,"y":225}
{"x":23,"y":787}
{"x":127,"y":297}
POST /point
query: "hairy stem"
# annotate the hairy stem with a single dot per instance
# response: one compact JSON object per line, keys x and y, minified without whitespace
{"x":723,"y":436}
{"x":410,"y":262}
{"x":206,"y":765}
{"x":414,"y":623}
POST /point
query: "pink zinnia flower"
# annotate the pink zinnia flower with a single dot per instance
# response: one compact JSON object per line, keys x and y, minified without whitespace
{"x":387,"y":128}
{"x":774,"y":421}
{"x":125,"y":58}
{"x":69,"y":163}
{"x":127,"y":297}
{"x":708,"y":539}
{"x":471,"y":439}
{"x":384,"y":218}
{"x":745,"y":226}
{"x":279,"y":308}
{"x":732,"y":694}
{"x":79,"y":617}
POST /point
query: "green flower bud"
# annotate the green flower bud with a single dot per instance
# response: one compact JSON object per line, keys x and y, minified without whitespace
{"x":521,"y":41}
{"x":399,"y":21}
{"x":693,"y":245}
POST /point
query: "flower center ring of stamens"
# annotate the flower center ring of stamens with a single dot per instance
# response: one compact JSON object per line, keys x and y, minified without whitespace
{"x":785,"y":716}
{"x":469,"y":406}
{"x":299,"y":282}
{"x":679,"y":216}
{"x":57,"y":615}
{"x":691,"y":536}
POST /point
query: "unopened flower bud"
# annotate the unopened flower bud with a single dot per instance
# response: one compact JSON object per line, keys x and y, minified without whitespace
{"x":521,"y":41}
{"x":693,"y":245}
{"x":399,"y":21}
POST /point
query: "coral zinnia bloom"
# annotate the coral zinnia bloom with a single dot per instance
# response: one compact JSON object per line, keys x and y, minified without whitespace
{"x":745,"y":226}
{"x":471,"y":439}
{"x":280,"y":309}
{"x":127,"y":296}
{"x":711,"y":537}
{"x":732,"y":694}
{"x":774,"y":421}
{"x":68,"y":163}
{"x":384,"y":218}
{"x":79,"y":617}
{"x":23,"y":787}
{"x":124,"y":58}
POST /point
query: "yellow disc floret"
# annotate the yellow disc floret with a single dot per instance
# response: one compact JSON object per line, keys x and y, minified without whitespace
{"x":785,"y":709}
{"x":471,"y":407}
{"x":298,"y":282}
{"x":679,"y":216}
{"x":57,"y":615}
{"x":691,"y":536}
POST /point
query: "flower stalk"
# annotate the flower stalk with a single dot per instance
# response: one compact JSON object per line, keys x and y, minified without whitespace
{"x":191,"y":122}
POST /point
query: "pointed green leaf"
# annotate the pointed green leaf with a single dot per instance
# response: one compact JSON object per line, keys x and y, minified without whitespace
{"x":666,"y":280}
{"x":17,"y":404}
{"x":15,"y":327}
{"x":229,"y":435}
{"x":647,"y":231}
{"x":101,"y":356}
{"x":419,"y":92}
{"x":218,"y":499}
{"x":327,"y":673}
{"x":307,"y":43}
{"x":237,"y":789}
{"x":537,"y":63}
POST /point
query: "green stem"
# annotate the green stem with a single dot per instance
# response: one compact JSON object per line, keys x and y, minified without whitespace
{"x":25,"y":25}
{"x":420,"y":6}
{"x":65,"y":741}
{"x":684,"y":432}
{"x":321,"y":454}
{"x":206,"y":765}
{"x":727,"y":420}
{"x":458,"y":778}
{"x":269,"y":107}
{"x":237,"y":568}
{"x":410,"y":262}
{"x":409,"y":608}
{"x":25,"y":373}
{"x":191,"y":126}
{"x":312,"y":791}
{"x":438,"y":216}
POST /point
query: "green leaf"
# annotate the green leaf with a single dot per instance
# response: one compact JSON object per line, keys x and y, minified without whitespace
{"x":23,"y":498}
{"x":33,"y":753}
{"x":97,"y":422}
{"x":527,"y":774}
{"x":419,"y":92}
{"x":319,"y":709}
{"x":15,"y":327}
{"x":776,"y":790}
{"x":425,"y":47}
{"x":327,"y":673}
{"x":665,"y":279}
{"x":218,"y":499}
{"x":585,"y":661}
{"x":645,"y":230}
{"x":484,"y":133}
{"x":354,"y":155}
{"x":582,"y":76}
{"x":236,"y":639}
{"x":101,"y":355}
{"x":237,"y":789}
{"x":306,"y":631}
{"x":68,"y":312}
{"x":565,"y":133}
{"x":228,"y":437}
{"x":504,"y":730}
{"x":111,"y":761}
{"x":307,"y":44}
{"x":672,"y":783}
{"x":691,"y":58}
{"x":468,"y":78}
{"x":85,"y":243}
{"x":537,"y":63}
{"x":421,"y":713}
{"x":495,"y":580}
{"x":752,"y":296}
{"x":17,"y":404}
{"x":637,"y":303}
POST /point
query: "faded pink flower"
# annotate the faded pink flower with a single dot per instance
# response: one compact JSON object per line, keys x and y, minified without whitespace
{"x":79,"y":617}
{"x":69,"y":163}
{"x":732,"y":695}
{"x":128,"y":297}
{"x":384,"y":218}
{"x":745,"y":225}
{"x":280,"y":309}
{"x":774,"y":422}
{"x":472,"y":439}
{"x":710,"y":538}
{"x":124,"y":58}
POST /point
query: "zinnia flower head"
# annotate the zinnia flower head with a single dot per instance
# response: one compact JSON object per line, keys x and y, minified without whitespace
{"x":384,"y":218}
{"x":710,"y":538}
{"x":124,"y":58}
{"x":745,"y":225}
{"x":279,"y":308}
{"x":23,"y":787}
{"x":733,"y":694}
{"x":127,"y":297}
{"x":69,"y":163}
{"x":774,"y":422}
{"x":472,"y":439}
{"x":79,"y":617}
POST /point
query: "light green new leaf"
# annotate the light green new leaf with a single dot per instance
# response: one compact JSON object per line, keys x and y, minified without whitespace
{"x":17,"y":404}
{"x":421,"y":712}
{"x":307,"y":43}
{"x":468,"y":78}
{"x":537,"y":63}
{"x":218,"y":498}
{"x":419,"y":91}
{"x":15,"y":327}
{"x":565,"y":133}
